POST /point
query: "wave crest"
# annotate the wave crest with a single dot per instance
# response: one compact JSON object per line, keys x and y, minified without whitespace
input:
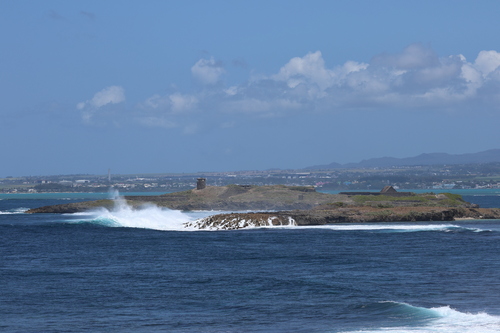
{"x":20,"y":210}
{"x":406,"y":318}
{"x":147,"y":217}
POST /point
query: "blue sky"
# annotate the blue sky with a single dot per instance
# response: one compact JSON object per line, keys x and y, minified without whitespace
{"x":187,"y":86}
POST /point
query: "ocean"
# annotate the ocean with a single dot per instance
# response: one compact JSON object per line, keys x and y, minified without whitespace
{"x":140,"y":271}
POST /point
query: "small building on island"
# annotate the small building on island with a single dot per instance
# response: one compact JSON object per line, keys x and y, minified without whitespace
{"x":201,"y":183}
{"x":388,"y":189}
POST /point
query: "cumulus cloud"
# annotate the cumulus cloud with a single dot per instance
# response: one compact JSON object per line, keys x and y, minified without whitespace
{"x":487,"y":61}
{"x":109,"y":95}
{"x":207,"y":71}
{"x":308,"y":69}
{"x":415,"y":78}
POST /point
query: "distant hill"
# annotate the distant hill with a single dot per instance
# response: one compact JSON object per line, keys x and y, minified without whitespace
{"x":488,"y":156}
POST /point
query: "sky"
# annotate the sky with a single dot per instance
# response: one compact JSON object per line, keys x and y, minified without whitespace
{"x":200,"y":86}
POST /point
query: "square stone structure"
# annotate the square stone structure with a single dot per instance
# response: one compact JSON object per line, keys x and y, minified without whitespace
{"x":201,"y":184}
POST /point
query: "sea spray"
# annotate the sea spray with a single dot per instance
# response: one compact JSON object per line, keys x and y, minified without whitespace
{"x":113,"y":193}
{"x":147,"y":216}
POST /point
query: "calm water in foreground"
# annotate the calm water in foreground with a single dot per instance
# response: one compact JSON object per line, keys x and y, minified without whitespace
{"x":127,"y":271}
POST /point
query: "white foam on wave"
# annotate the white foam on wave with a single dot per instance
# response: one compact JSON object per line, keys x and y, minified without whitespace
{"x":392,"y":227}
{"x":447,"y":319}
{"x":20,"y":210}
{"x":147,"y":217}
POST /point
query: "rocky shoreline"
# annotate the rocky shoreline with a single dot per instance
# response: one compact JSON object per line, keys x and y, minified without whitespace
{"x":312,"y":217}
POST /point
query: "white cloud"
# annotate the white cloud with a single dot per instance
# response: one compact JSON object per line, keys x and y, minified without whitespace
{"x":416,"y":78}
{"x":207,"y":71}
{"x":472,"y":77}
{"x":308,"y":69}
{"x":182,"y":103}
{"x":109,"y":95}
{"x":173,"y":103}
{"x":353,"y":66}
{"x":231,"y":91}
{"x":413,"y":78}
{"x":155,"y":102}
{"x":487,"y":61}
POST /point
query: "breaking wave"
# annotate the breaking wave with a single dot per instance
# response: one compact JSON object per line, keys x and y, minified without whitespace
{"x":123,"y":215}
{"x":20,"y":210}
{"x":405,"y":318}
{"x":147,"y":217}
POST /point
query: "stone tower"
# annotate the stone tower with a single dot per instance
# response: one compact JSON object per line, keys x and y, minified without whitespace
{"x":201,"y":184}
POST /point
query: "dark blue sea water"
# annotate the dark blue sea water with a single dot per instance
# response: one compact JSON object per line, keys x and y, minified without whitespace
{"x":140,"y":271}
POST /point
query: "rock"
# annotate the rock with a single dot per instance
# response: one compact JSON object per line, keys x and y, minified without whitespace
{"x":234,"y":221}
{"x":241,"y":220}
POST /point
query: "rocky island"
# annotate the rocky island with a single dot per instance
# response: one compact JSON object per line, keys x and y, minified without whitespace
{"x":297,"y":205}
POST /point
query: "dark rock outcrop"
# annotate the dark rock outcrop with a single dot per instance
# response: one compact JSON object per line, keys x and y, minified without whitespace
{"x":341,"y":215}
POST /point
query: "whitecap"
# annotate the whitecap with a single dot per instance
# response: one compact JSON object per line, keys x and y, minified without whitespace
{"x":436,"y":319}
{"x":147,"y":217}
{"x":385,"y":227}
{"x":20,"y":210}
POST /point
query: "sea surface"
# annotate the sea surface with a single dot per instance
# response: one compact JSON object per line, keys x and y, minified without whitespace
{"x":141,"y":271}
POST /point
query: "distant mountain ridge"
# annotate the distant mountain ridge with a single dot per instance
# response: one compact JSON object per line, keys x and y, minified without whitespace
{"x":487,"y":156}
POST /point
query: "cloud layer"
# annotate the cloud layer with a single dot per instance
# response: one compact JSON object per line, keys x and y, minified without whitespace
{"x":413,"y":79}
